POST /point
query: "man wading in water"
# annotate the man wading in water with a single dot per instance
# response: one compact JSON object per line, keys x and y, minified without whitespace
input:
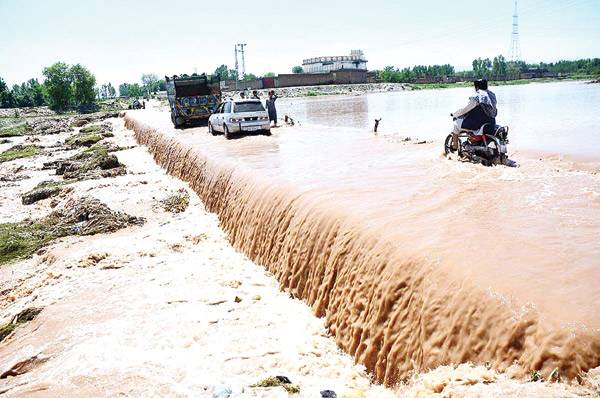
{"x":480,"y":110}
{"x":270,"y":103}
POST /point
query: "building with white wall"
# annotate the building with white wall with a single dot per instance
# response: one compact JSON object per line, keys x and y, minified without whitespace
{"x":356,"y":60}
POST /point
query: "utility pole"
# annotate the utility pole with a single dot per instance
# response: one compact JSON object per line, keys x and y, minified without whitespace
{"x":515,"y":48}
{"x":237,"y":66}
{"x":241,"y":50}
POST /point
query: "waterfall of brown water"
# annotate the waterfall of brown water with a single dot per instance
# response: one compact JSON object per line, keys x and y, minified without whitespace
{"x":395,"y":314}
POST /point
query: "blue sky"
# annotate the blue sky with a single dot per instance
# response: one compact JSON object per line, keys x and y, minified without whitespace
{"x":120,"y":40}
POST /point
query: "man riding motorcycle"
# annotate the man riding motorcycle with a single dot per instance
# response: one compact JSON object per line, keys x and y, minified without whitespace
{"x":480,"y":110}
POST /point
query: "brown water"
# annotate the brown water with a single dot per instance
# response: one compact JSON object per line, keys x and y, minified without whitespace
{"x":545,"y":117}
{"x":414,"y":259}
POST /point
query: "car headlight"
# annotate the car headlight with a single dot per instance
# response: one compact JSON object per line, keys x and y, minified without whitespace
{"x":234,"y":120}
{"x":263,"y":118}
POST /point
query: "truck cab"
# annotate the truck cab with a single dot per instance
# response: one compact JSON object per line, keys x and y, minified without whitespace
{"x":192,"y":97}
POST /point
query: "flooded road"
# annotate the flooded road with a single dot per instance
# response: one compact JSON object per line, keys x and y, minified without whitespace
{"x":392,"y":213}
{"x":545,"y":117}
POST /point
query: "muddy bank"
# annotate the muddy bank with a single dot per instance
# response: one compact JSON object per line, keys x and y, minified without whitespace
{"x":394,"y":314}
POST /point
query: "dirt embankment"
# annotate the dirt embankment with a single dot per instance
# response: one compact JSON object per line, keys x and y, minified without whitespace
{"x":395,"y":315}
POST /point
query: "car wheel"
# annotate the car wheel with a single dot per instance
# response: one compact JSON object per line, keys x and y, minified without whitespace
{"x":266,"y":132}
{"x":226,"y":132}
{"x":210,"y":129}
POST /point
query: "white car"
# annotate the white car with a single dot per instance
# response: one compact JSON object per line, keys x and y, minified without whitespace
{"x":238,"y":117}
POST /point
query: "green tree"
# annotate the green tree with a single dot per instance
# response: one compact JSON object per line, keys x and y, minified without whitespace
{"x":135,"y":90}
{"x":150,"y":82}
{"x":83,"y":85}
{"x":297,"y":69}
{"x":481,"y":67}
{"x":222,"y":72}
{"x":58,"y":85}
{"x":36,"y":92}
{"x":250,"y":76}
{"x":124,"y":90}
{"x":111,"y":91}
{"x":499,"y":67}
{"x":5,"y":95}
{"x":232,"y":74}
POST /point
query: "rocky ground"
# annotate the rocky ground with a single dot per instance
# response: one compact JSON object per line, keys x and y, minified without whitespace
{"x":115,"y":280}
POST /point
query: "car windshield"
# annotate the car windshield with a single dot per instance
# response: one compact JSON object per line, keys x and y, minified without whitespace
{"x":250,"y":106}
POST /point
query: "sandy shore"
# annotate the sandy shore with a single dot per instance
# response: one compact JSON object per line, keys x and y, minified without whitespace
{"x":170,"y":308}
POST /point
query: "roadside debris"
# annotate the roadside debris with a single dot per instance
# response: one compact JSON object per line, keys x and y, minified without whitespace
{"x":43,"y":190}
{"x":50,"y":126}
{"x":176,"y":202}
{"x":78,"y":216}
{"x":27,"y":315}
{"x":278,"y":381}
{"x":94,"y":162}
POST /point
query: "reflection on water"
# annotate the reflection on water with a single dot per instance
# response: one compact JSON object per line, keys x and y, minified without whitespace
{"x":549,"y":117}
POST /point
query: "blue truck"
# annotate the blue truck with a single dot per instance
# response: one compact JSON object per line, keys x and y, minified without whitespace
{"x":192,"y":98}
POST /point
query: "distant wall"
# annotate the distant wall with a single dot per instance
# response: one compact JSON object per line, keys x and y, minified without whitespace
{"x":342,"y":76}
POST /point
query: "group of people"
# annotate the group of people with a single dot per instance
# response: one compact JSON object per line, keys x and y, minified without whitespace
{"x":269,"y":103}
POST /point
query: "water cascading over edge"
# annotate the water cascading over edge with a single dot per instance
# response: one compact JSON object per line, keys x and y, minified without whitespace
{"x":394,"y":314}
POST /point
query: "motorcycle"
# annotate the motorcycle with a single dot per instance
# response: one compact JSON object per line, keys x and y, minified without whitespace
{"x":487,"y":146}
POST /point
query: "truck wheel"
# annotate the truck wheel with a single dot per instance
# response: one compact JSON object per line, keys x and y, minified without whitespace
{"x":227,"y":133}
{"x":179,"y":122}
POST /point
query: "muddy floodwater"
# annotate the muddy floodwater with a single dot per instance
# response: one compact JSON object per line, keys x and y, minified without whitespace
{"x":558,"y":118}
{"x":416,"y":260}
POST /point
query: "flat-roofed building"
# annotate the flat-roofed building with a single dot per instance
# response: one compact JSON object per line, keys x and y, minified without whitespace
{"x":356,"y":60}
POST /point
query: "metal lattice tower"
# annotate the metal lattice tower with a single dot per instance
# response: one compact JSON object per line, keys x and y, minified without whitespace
{"x":515,"y":48}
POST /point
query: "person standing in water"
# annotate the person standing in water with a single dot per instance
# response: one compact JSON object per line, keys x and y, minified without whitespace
{"x":270,"y":104}
{"x":480,"y":110}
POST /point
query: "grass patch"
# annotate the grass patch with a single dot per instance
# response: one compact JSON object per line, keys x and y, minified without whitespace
{"x":23,"y":317}
{"x":278,"y":381}
{"x":94,"y":129}
{"x":44,"y":190}
{"x":15,"y":131}
{"x":19,"y":151}
{"x":83,"y":139}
